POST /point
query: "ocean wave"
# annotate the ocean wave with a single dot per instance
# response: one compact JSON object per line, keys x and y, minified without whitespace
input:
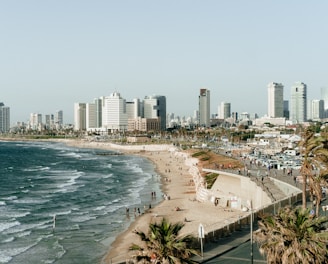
{"x":6,"y":255}
{"x":36,"y":168}
{"x":70,"y":154}
{"x":17,"y":214}
{"x":10,"y":198}
{"x":99,"y":208}
{"x":2,"y":203}
{"x":24,"y":229}
{"x":8,"y":225}
{"x":8,"y":240}
{"x":82,"y":218}
{"x":31,"y":201}
{"x":107,"y":176}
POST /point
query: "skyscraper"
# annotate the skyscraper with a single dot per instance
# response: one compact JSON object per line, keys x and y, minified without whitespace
{"x":59,"y":118}
{"x":155,"y":107}
{"x":204,"y":107}
{"x":275,"y":100}
{"x":80,"y":116}
{"x":315,"y":109}
{"x":324,"y":97}
{"x":298,"y":108}
{"x":225,"y":110}
{"x":4,"y":118}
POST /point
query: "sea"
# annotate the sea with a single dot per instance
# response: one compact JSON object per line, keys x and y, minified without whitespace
{"x":61,"y":204}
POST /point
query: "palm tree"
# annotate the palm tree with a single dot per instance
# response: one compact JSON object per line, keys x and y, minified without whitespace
{"x":293,"y":236}
{"x":163,"y":244}
{"x":315,"y":151}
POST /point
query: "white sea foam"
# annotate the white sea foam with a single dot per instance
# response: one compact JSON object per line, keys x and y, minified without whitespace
{"x":10,"y":198}
{"x":6,"y":255}
{"x":23,"y":234}
{"x":7,"y":225}
{"x":2,"y":203}
{"x":64,"y":212}
{"x":31,"y":201}
{"x":8,"y":240}
{"x":107,"y":176}
{"x":37,"y":168}
{"x":82,"y":218}
{"x":99,"y":208}
{"x":17,"y":214}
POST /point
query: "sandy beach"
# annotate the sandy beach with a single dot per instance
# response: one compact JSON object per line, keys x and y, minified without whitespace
{"x":180,"y":177}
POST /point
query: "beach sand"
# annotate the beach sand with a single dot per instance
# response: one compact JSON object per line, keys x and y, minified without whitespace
{"x":177,"y":171}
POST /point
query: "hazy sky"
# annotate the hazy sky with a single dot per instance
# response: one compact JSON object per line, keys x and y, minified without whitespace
{"x":56,"y":53}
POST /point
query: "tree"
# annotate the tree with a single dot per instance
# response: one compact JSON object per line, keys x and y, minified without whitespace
{"x":163,"y":244}
{"x":293,"y":236}
{"x":315,"y":151}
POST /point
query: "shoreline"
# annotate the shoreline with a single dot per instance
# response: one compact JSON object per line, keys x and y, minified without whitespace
{"x":180,"y":178}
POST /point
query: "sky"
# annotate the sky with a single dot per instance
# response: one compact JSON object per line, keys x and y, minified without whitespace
{"x":56,"y":53}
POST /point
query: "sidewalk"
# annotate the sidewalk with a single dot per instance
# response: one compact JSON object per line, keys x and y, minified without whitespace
{"x":223,"y":245}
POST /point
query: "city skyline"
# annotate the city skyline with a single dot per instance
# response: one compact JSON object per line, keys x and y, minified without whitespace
{"x":56,"y":54}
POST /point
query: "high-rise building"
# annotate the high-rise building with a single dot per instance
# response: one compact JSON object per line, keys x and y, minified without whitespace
{"x":155,"y":107}
{"x":286,"y":109}
{"x":225,"y":110}
{"x":114,"y":116}
{"x":35,"y":121}
{"x":134,"y":108}
{"x":4,"y":118}
{"x":49,"y":121}
{"x":204,"y":107}
{"x":315,"y":109}
{"x":324,"y":97}
{"x":94,"y":113}
{"x":275,"y":100}
{"x":80,"y":116}
{"x":298,"y":110}
{"x":59,"y":118}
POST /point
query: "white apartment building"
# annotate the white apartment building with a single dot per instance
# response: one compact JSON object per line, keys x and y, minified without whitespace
{"x":204,"y":107}
{"x":35,"y":121}
{"x":79,"y":116}
{"x":134,"y":108}
{"x":298,"y":100}
{"x":275,"y":100}
{"x":114,"y":116}
{"x":315,"y":110}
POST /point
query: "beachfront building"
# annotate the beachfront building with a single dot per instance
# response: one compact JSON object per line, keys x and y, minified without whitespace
{"x":4,"y":118}
{"x":35,"y":121}
{"x":79,"y":116}
{"x":225,"y":110}
{"x":114,"y":116}
{"x":298,"y":98}
{"x":144,"y":124}
{"x":155,"y":107}
{"x":134,"y":108}
{"x":94,"y":114}
{"x":204,"y":107}
{"x":275,"y":100}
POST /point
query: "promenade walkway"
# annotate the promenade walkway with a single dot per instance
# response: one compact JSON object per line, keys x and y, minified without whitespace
{"x":238,"y":242}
